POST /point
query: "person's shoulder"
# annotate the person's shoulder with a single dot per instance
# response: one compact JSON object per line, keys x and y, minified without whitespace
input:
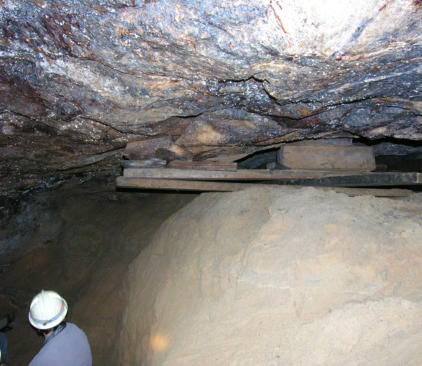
{"x":43,"y":358}
{"x":73,"y":329}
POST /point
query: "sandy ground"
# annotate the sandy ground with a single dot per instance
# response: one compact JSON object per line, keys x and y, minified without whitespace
{"x":78,"y":242}
{"x":279,"y":277}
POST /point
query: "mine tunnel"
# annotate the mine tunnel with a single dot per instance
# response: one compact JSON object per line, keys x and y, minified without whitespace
{"x":233,"y":182}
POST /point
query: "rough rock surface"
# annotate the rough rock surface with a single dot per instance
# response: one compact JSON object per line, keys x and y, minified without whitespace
{"x":79,"y":79}
{"x":79,"y":241}
{"x":279,"y":277}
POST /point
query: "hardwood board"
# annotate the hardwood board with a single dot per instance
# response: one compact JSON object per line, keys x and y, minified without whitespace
{"x":325,"y":157}
{"x":206,"y":186}
{"x":182,"y":185}
{"x":202,"y":165}
{"x":238,"y":175}
{"x":377,"y":192}
{"x":364,"y":180}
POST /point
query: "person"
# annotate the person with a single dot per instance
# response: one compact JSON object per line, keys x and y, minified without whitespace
{"x":64,"y":343}
{"x":6,"y":323}
{"x":4,"y":355}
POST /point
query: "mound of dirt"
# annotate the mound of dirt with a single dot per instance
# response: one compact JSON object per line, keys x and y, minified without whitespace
{"x":279,"y":277}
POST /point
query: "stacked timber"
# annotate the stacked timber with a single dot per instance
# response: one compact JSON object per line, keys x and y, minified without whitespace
{"x":328,"y":154}
{"x":333,"y":163}
{"x":213,"y":176}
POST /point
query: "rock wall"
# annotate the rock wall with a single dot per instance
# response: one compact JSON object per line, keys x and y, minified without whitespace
{"x":279,"y":277}
{"x":79,"y":241}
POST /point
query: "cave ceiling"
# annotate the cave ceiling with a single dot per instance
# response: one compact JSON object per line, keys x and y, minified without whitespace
{"x":199,"y":79}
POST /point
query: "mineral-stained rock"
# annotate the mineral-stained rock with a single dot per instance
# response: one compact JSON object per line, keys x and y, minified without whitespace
{"x":99,"y":73}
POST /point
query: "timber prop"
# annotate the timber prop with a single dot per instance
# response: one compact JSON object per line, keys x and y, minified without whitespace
{"x":216,"y":176}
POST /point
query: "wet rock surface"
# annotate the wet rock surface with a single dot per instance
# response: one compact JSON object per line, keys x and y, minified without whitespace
{"x":79,"y":80}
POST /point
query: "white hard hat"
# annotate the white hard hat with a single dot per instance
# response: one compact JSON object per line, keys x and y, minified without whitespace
{"x":47,"y":310}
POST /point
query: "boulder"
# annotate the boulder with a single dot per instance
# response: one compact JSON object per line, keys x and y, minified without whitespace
{"x":279,"y":276}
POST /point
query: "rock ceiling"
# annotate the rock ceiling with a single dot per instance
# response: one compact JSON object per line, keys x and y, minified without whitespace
{"x":199,"y":79}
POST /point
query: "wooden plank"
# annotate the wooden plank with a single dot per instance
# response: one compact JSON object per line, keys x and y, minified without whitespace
{"x":298,"y":177}
{"x":202,"y":165}
{"x":364,"y":180}
{"x":180,"y":185}
{"x":376,"y":192}
{"x":240,"y":175}
{"x":206,"y":186}
{"x":325,"y":157}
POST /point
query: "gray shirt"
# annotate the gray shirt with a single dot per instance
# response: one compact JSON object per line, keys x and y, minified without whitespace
{"x":68,"y":347}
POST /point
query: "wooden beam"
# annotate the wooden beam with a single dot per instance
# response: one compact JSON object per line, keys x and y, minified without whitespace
{"x":180,"y":185}
{"x":364,"y":180}
{"x":326,"y":157}
{"x":205,"y":186}
{"x":298,"y":177}
{"x":238,"y":175}
{"x":202,"y":165}
{"x":376,"y":192}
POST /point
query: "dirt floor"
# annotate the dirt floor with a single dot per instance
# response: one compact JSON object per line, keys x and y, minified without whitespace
{"x":79,"y":242}
{"x":282,"y":276}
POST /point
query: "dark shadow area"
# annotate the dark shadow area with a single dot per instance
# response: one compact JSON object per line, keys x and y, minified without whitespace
{"x":258,"y":160}
{"x":78,"y":240}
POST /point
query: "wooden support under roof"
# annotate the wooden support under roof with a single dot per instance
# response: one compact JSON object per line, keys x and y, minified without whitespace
{"x":376,"y":179}
{"x":327,"y":157}
{"x":202,"y":165}
{"x":179,"y":164}
{"x":180,"y":185}
{"x":230,"y":175}
{"x":206,"y":186}
{"x":213,"y":176}
{"x":300,"y":177}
